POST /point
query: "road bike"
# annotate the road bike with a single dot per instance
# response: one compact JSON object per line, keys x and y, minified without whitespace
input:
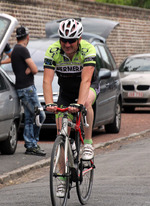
{"x":66,"y":162}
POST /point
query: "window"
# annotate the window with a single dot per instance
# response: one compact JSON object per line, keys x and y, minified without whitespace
{"x":2,"y":83}
{"x":7,"y":25}
{"x":105,"y":57}
{"x":111,"y":59}
{"x":4,"y":24}
{"x":99,"y":63}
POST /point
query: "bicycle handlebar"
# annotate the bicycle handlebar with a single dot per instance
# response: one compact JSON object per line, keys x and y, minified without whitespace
{"x":37,"y":112}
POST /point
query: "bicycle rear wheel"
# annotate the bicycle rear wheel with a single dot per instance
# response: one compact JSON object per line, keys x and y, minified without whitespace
{"x":57,"y":172}
{"x":85,"y":178}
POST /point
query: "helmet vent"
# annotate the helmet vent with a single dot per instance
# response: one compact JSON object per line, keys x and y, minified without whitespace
{"x":73,"y":28}
{"x":61,"y":33}
{"x":68,"y":25}
{"x":73,"y":34}
{"x":63,"y":27}
{"x":66,"y":32}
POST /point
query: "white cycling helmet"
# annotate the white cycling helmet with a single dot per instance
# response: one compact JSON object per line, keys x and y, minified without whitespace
{"x":70,"y":29}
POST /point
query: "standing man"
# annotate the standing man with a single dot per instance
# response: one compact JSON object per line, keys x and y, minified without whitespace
{"x":24,"y":69}
{"x":73,"y":60}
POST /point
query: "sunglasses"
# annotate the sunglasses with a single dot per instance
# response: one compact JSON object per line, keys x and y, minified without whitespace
{"x":70,"y":41}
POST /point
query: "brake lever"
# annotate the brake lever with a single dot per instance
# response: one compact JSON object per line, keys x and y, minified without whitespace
{"x":37,"y":115}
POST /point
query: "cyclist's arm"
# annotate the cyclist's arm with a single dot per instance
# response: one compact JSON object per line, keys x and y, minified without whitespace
{"x":86,"y":78}
{"x":47,"y":85}
{"x":87,"y":73}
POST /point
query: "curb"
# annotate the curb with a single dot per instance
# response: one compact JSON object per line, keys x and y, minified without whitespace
{"x":10,"y":176}
{"x":105,"y":144}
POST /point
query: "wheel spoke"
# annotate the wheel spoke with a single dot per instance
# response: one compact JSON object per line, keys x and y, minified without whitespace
{"x":84,"y":185}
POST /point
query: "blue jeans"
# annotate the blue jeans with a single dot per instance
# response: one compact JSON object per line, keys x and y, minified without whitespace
{"x":29,"y":99}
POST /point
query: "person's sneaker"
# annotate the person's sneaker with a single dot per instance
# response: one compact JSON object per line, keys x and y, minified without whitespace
{"x":38,"y":146}
{"x":35,"y":151}
{"x":61,"y":189}
{"x":88,"y":152}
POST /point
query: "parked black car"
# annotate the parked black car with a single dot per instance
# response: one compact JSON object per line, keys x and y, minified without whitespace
{"x":107,"y":109}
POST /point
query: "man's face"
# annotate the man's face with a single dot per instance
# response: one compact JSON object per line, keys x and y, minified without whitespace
{"x":69,"y":46}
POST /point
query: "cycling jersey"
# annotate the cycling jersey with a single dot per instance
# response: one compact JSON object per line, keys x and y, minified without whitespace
{"x":69,"y":71}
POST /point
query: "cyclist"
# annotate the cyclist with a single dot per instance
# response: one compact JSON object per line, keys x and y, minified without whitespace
{"x":73,"y":60}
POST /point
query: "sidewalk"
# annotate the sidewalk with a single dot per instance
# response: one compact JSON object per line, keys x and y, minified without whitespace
{"x":14,"y":166}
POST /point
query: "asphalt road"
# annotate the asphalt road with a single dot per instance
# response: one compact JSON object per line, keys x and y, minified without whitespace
{"x":122,"y":178}
{"x":13,"y":166}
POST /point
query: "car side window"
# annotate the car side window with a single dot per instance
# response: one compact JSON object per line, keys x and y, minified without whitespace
{"x":107,"y":63}
{"x":99,"y":63}
{"x":2,"y":84}
{"x":111,"y":58}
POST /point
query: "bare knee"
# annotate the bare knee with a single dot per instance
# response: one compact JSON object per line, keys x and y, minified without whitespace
{"x":88,"y":105}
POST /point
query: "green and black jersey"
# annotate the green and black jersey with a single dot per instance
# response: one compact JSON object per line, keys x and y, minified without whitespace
{"x":69,"y":71}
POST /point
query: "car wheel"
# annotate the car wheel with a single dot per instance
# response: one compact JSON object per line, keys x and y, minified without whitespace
{"x":115,"y":126}
{"x":9,"y":145}
{"x":129,"y":109}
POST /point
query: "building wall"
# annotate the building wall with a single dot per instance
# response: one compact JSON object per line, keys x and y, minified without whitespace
{"x":130,"y":37}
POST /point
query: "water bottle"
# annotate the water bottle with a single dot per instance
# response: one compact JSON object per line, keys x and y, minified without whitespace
{"x":74,"y":151}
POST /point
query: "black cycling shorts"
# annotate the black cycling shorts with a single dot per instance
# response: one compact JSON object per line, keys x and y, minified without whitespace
{"x":66,"y":98}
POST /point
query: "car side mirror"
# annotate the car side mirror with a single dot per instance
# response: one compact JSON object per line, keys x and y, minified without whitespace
{"x":104,"y":74}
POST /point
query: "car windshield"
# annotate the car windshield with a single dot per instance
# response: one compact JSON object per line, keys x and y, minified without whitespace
{"x":7,"y":25}
{"x":4,"y":24}
{"x":136,"y":65}
{"x":37,"y":56}
{"x":6,"y":67}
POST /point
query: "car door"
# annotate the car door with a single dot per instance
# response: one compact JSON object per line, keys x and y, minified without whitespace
{"x":6,"y":106}
{"x":102,"y":97}
{"x":108,"y":91}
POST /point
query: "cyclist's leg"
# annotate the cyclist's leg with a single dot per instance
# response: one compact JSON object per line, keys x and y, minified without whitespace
{"x":58,"y":118}
{"x":90,"y":114}
{"x":88,"y":151}
{"x":63,"y":101}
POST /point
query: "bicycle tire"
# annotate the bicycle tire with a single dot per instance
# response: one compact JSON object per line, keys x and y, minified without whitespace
{"x":55,"y":173}
{"x":85,"y":182}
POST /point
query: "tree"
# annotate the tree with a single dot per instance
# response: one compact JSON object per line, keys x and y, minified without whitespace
{"x":141,"y":3}
{"x":137,"y":3}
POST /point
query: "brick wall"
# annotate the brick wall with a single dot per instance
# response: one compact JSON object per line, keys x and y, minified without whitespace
{"x":130,"y":37}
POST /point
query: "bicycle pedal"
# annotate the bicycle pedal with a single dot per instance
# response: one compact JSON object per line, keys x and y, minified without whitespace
{"x":74,"y":175}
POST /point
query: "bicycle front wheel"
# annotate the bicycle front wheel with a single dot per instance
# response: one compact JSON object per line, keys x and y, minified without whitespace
{"x":58,"y":173}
